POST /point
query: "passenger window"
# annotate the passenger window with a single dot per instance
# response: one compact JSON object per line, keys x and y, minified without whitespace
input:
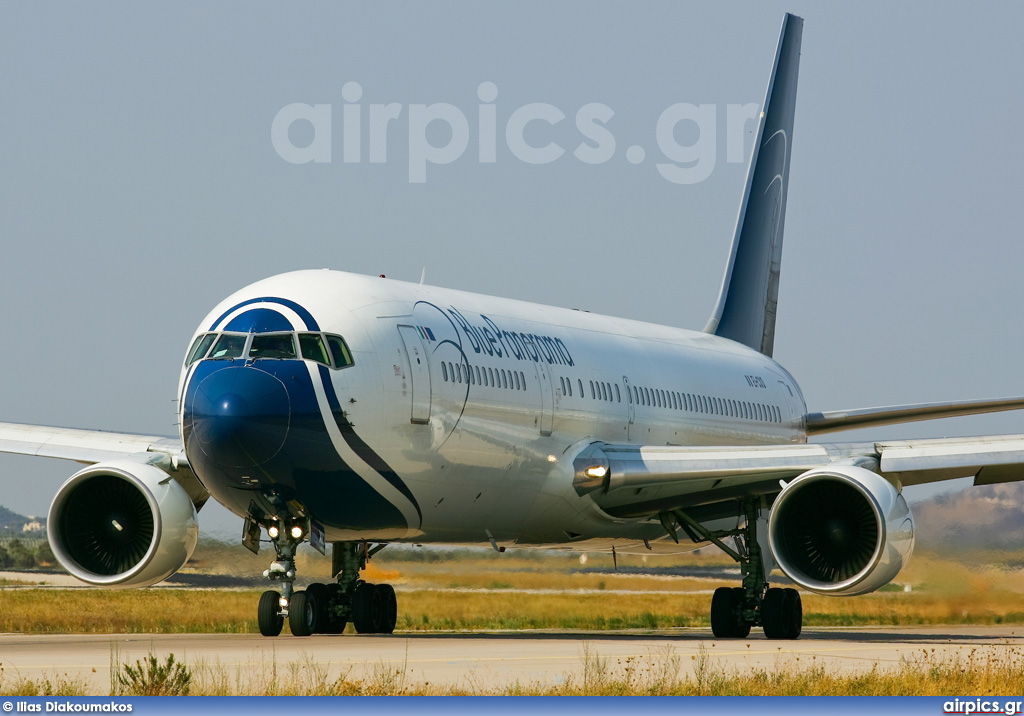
{"x":476,"y":373}
{"x":593,"y":393}
{"x":604,"y":391}
{"x":458,"y":372}
{"x":579,"y":381}
{"x":199,"y":347}
{"x":444,"y":371}
{"x":504,"y":379}
{"x":522,"y":377}
{"x":340,"y":351}
{"x":519,"y":386}
{"x":229,"y":346}
{"x":568,"y":382}
{"x":618,"y":395}
{"x":312,"y":347}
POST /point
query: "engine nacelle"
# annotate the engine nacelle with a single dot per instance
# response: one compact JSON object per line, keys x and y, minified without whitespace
{"x":841,"y":530}
{"x":122,"y":524}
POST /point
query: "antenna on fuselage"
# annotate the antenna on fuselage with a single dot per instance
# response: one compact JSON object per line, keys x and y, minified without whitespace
{"x":423,"y":276}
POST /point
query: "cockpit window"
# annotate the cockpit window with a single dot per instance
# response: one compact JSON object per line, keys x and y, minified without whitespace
{"x":313,"y":348}
{"x":199,"y":347}
{"x":272,"y":345}
{"x":327,"y":349}
{"x":340,"y":351}
{"x":230,"y":345}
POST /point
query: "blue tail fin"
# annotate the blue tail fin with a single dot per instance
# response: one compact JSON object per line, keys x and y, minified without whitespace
{"x":745,"y":311}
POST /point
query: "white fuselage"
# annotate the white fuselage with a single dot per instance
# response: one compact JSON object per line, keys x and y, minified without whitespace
{"x":478,"y":405}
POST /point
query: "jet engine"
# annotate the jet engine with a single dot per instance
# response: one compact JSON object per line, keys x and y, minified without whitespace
{"x":122,"y":524}
{"x":841,"y":530}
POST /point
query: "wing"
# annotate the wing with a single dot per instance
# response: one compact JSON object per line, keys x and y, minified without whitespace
{"x":85,"y":446}
{"x":635,"y":481}
{"x":95,"y":446}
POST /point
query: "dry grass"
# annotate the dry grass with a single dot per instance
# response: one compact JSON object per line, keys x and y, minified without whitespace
{"x":205,"y":611}
{"x":985,"y":671}
{"x":480,"y":590}
{"x":662,"y":672}
{"x":159,"y":611}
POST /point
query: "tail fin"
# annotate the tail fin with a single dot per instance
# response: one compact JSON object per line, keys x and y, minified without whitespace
{"x":747,"y":301}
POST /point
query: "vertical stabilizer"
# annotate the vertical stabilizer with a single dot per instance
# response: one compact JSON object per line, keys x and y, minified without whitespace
{"x":747,"y":301}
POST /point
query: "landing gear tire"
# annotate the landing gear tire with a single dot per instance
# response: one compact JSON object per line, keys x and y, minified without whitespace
{"x":334,"y":624}
{"x":268,"y":614}
{"x":302,"y":615}
{"x":368,"y":609}
{"x":727,"y":620}
{"x":390,"y":608}
{"x":316,"y":594}
{"x":782,"y":614}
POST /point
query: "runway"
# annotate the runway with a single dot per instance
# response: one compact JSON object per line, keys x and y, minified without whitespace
{"x":484,"y":660}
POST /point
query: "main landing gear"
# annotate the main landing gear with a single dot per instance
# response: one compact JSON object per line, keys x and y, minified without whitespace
{"x":734,"y":610}
{"x":326,"y":608}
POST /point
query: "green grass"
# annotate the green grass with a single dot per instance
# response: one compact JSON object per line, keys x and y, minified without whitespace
{"x":227,"y":611}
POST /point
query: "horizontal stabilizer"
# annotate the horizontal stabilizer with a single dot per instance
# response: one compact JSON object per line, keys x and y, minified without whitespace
{"x":835,"y":420}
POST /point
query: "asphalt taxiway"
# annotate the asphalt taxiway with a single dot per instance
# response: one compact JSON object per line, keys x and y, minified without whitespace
{"x":491,"y":659}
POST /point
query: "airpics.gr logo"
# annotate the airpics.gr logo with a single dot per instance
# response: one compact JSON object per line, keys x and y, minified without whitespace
{"x":530,"y":133}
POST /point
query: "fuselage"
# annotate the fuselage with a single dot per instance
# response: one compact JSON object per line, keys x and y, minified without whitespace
{"x":393,"y":411}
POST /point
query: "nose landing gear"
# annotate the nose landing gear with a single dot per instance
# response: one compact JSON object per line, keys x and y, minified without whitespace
{"x":274,"y":606}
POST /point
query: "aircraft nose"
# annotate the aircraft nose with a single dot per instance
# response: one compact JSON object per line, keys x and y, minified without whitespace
{"x":240,"y":416}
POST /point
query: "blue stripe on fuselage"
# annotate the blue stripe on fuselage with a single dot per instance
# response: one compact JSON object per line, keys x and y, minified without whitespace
{"x":359,"y":446}
{"x":305,"y":315}
{"x":307,"y":468}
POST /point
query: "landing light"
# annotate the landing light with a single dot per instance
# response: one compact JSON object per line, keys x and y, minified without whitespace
{"x":273,"y":532}
{"x":283,"y":601}
{"x":552,"y":458}
{"x":597,"y":471}
{"x":296,"y":532}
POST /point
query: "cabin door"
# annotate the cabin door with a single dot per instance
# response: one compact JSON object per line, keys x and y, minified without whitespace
{"x":547,"y":398}
{"x":630,"y":408}
{"x":419,"y":373}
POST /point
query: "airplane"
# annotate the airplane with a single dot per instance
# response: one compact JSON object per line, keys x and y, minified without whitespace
{"x":359,"y":411}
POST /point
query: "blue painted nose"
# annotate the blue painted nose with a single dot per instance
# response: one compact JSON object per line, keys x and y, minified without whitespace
{"x":240,"y":416}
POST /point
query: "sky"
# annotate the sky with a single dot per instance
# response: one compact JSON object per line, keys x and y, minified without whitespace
{"x":142,"y":180}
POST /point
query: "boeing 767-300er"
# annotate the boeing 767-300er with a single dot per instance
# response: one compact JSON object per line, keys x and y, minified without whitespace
{"x":360,"y":411}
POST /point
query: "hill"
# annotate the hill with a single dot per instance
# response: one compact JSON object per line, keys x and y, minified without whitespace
{"x":988,"y":517}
